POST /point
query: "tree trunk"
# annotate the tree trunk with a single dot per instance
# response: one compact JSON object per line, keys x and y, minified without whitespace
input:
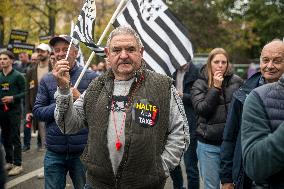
{"x":51,"y":16}
{"x":1,"y":31}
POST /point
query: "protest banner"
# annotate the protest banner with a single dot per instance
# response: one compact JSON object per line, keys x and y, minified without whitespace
{"x":18,"y":36}
{"x":17,"y":48}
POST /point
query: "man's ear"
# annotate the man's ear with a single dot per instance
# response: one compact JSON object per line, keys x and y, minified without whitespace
{"x":106,"y":51}
{"x":142,"y":51}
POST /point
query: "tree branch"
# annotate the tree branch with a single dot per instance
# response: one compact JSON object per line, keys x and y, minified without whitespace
{"x":41,"y":26}
{"x":32,"y":6}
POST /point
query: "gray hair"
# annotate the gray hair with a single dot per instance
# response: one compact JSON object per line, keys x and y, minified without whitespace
{"x":124,"y":30}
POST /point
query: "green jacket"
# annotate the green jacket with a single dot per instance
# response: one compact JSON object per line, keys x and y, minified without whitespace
{"x":12,"y":85}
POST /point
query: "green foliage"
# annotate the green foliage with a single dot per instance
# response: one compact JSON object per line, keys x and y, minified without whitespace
{"x":201,"y":19}
{"x":49,"y":17}
{"x":241,"y":27}
{"x":268,"y":18}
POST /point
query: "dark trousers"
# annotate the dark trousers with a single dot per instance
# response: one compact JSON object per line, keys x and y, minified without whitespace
{"x":27,"y":134}
{"x":190,"y":161}
{"x":2,"y":170}
{"x":27,"y":137}
{"x":10,"y":124}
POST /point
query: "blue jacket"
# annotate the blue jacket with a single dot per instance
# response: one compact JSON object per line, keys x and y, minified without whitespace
{"x":44,"y":108}
{"x":190,"y":76}
{"x":231,"y":152}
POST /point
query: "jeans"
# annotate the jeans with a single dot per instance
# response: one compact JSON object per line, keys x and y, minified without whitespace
{"x":190,"y":161}
{"x":209,"y":162}
{"x":56,"y":167}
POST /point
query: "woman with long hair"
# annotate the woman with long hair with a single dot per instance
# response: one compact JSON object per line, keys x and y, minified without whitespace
{"x":211,"y":95}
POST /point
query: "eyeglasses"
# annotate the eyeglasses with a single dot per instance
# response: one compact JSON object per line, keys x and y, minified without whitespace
{"x":277,"y":60}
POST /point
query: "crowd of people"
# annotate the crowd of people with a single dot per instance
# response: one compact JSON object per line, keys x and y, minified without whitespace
{"x":125,"y":126}
{"x":20,"y":81}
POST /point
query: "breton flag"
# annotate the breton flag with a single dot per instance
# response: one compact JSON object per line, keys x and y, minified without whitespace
{"x":83,"y":30}
{"x":165,"y":39}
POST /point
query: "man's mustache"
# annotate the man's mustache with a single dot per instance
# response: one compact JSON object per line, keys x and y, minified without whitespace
{"x":270,"y":69}
{"x":126,"y":62}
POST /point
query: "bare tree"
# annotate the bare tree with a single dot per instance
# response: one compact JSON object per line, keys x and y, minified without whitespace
{"x":47,"y":10}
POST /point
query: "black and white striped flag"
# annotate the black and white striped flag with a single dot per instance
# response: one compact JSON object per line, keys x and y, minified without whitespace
{"x":165,"y":39}
{"x":83,"y":30}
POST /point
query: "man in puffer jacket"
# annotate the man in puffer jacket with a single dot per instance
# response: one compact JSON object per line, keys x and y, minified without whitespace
{"x":63,"y":151}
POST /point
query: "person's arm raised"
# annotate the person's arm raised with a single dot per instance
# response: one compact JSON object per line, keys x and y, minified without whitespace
{"x":69,"y":116}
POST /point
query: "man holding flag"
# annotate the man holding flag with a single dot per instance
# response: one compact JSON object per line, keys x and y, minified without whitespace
{"x":63,"y":151}
{"x":137,"y":125}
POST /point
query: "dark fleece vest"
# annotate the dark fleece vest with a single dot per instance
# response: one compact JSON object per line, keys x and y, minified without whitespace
{"x":141,"y":164}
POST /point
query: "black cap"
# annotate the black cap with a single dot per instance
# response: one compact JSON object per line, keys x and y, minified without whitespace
{"x":62,"y":37}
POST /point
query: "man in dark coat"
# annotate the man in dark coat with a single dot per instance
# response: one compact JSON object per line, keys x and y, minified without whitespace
{"x":262,"y":126}
{"x":24,"y":64}
{"x":33,"y":77}
{"x":232,"y":173}
{"x":12,"y":91}
{"x":183,"y":81}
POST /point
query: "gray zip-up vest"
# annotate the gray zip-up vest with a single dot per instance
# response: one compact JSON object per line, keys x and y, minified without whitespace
{"x":141,"y":164}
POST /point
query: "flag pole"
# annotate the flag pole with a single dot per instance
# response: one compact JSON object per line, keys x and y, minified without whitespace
{"x":99,"y":42}
{"x":72,"y":39}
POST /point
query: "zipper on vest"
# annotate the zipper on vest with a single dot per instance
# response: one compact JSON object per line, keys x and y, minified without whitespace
{"x":117,"y":180}
{"x":116,"y":183}
{"x":119,"y":171}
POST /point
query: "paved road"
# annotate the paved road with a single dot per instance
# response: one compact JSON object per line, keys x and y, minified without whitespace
{"x":33,"y":165}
